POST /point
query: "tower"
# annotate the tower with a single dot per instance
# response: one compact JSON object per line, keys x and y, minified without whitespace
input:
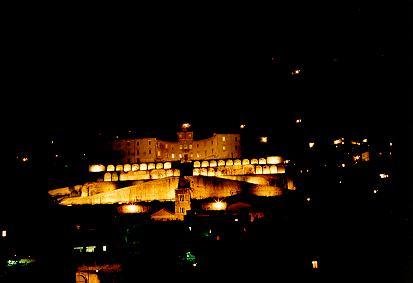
{"x":185,"y":139}
{"x":182,"y":198}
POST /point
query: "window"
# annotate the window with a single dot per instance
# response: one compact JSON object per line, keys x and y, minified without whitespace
{"x":150,"y":151}
{"x":137,"y":152}
{"x":182,"y":210}
{"x":185,"y":147}
{"x":197,"y":155}
{"x":224,"y":148}
{"x":197,"y":146}
{"x":104,"y":248}
{"x":180,"y":155}
{"x":181,"y":197}
{"x":223,"y":139}
{"x":190,"y":146}
{"x":315,"y":264}
{"x":137,"y":143}
{"x":173,"y":155}
{"x":159,"y":153}
{"x":236,"y":138}
{"x":180,"y":147}
{"x":236,"y":147}
{"x":90,"y":249}
{"x":149,"y":142}
{"x":212,"y":150}
{"x":212,"y":142}
{"x":4,"y":233}
{"x":166,"y":146}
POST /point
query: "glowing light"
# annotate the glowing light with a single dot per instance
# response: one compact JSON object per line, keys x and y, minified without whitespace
{"x":391,"y":144}
{"x":356,"y":157}
{"x":315,"y":264}
{"x":311,"y":144}
{"x":25,"y":159}
{"x":355,"y":142}
{"x":56,"y":155}
{"x":296,"y":72}
{"x":263,"y":139}
{"x":298,"y":121}
{"x":186,"y":125}
{"x":242,"y":126}
{"x":338,"y":141}
{"x":308,"y":199}
{"x":190,"y":228}
{"x":130,"y":208}
{"x":384,"y":176}
{"x":343,"y":165}
{"x":104,"y":248}
{"x":236,"y":219}
{"x":375,"y":191}
{"x":194,"y":264}
{"x":4,"y":233}
{"x":90,"y":249}
{"x":97,"y":270}
{"x":364,"y":140}
{"x":218,"y":205}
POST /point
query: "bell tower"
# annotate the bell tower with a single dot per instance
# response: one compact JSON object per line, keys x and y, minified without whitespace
{"x":185,"y":139}
{"x":182,"y":198}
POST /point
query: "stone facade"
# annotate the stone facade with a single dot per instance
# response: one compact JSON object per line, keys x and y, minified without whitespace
{"x":184,"y":149}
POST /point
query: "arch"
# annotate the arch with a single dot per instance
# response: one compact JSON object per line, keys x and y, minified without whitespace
{"x":197,"y":164}
{"x":159,"y":165}
{"x":204,"y":172}
{"x":127,"y":167}
{"x":169,"y":173}
{"x":97,"y":168}
{"x":245,"y":161}
{"x":110,"y":168}
{"x":151,"y":166}
{"x":229,"y":162}
{"x":221,"y":163}
{"x":135,"y":167}
{"x":167,"y":165}
{"x":280,"y":169}
{"x":211,"y":172}
{"x":119,"y":167}
{"x":273,"y":169}
{"x":274,"y":160}
{"x":177,"y":173}
{"x":254,"y":161}
{"x":262,"y":161}
{"x":266,"y":169}
{"x":213,"y":163}
{"x":237,"y":162}
{"x":258,"y":169}
{"x":205,"y":163}
{"x":143,"y":167}
{"x":115,"y":176}
{"x":107,"y":177}
{"x":195,"y":172}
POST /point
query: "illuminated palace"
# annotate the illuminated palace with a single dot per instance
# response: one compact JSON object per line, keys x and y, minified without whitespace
{"x":219,"y":146}
{"x":210,"y":173}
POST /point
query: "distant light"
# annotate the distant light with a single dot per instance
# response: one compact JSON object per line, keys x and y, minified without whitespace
{"x":343,"y":165}
{"x":315,"y":264}
{"x":194,"y":264}
{"x":356,"y":157}
{"x":236,"y":219}
{"x":190,"y":228}
{"x":311,"y":144}
{"x":287,"y":161}
{"x":338,"y":141}
{"x":52,"y":141}
{"x":104,"y":248}
{"x":242,"y":126}
{"x":130,"y":208}
{"x":4,"y":233}
{"x":384,"y":176}
{"x":56,"y":155}
{"x":391,"y":144}
{"x":355,"y":142}
{"x":375,"y":191}
{"x":25,"y":159}
{"x":97,"y":270}
{"x":298,"y":121}
{"x":90,"y":249}
{"x":364,"y":140}
{"x":263,"y":139}
{"x":116,"y":137}
{"x":308,"y":199}
{"x":296,"y":72}
{"x":210,"y":231}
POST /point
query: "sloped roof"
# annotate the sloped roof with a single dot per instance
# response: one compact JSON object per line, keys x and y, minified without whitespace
{"x":163,"y":213}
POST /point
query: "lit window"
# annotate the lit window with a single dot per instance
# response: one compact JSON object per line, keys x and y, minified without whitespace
{"x":166,"y":146}
{"x":223,"y":148}
{"x":181,"y":197}
{"x":315,"y":264}
{"x":78,"y":249}
{"x":365,"y":140}
{"x":264,"y":139}
{"x":173,"y":155}
{"x":181,"y":210}
{"x":197,"y":155}
{"x":190,"y":146}
{"x":338,"y":141}
{"x":104,"y":248}
{"x":223,"y":138}
{"x":185,"y":147}
{"x":159,"y":153}
{"x":180,"y":146}
{"x":186,"y":125}
{"x":90,"y":249}
{"x":311,"y":144}
{"x":180,"y":155}
{"x":4,"y":233}
{"x":298,"y":121}
{"x":25,"y":159}
{"x":384,"y":176}
{"x":343,"y":165}
{"x":242,"y":126}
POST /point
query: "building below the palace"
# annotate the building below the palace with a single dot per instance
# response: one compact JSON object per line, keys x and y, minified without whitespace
{"x":219,"y":146}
